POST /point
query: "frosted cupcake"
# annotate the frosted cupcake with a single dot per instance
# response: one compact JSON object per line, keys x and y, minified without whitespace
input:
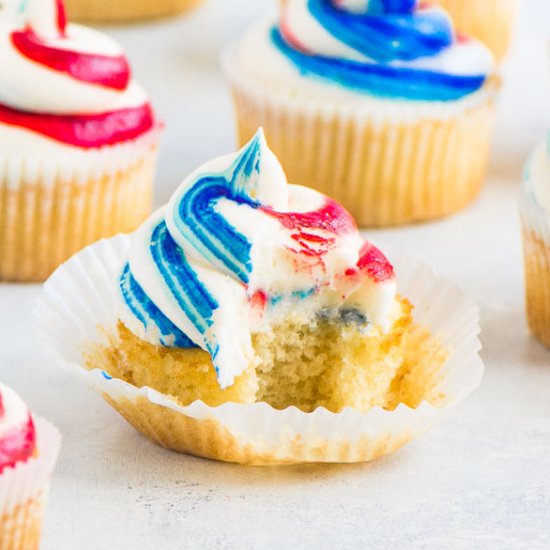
{"x":78,"y":140}
{"x":491,"y":21}
{"x":105,"y":11}
{"x":28,"y":450}
{"x":378,"y":104}
{"x":248,"y":321}
{"x":535,"y":214}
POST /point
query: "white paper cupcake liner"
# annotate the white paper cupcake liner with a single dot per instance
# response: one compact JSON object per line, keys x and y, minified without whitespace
{"x":77,"y":308}
{"x":24,"y":489}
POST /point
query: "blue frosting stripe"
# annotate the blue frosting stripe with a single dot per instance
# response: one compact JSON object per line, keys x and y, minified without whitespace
{"x":388,"y":36}
{"x":209,"y":232}
{"x":191,"y":295}
{"x":148,"y":313}
{"x":381,"y":80}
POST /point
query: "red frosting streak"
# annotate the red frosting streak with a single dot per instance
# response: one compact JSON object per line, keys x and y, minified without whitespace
{"x":258,"y":299}
{"x":85,"y":131}
{"x":18,"y":445}
{"x":331,"y":218}
{"x":61,"y":17}
{"x":103,"y":70}
{"x":374,"y":264}
{"x":289,"y":36}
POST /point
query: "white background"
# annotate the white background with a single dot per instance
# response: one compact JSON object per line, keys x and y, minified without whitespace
{"x":482,"y":480}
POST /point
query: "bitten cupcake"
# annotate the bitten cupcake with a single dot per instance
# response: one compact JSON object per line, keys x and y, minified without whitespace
{"x":28,"y":451}
{"x":248,"y":321}
{"x":78,"y":140}
{"x":535,"y":215}
{"x":110,"y":11}
{"x":378,"y":104}
{"x":491,"y":21}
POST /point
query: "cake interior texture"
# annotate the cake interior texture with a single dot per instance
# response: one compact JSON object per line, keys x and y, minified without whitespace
{"x":321,"y":362}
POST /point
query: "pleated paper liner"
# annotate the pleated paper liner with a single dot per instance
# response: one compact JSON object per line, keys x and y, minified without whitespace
{"x":386,"y":163}
{"x":536,"y":248}
{"x":117,"y":11}
{"x":52,"y":207}
{"x":24,"y":490}
{"x":78,"y":310}
{"x":491,"y":21}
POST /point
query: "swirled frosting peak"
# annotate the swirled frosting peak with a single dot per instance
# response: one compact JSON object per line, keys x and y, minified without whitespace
{"x":17,"y":432}
{"x":237,"y":247}
{"x":66,"y":82}
{"x":390,"y":48}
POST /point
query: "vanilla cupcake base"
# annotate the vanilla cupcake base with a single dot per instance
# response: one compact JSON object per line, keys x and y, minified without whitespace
{"x":389,"y":163}
{"x":85,"y":289}
{"x":537,"y":280}
{"x":50,"y":209}
{"x":111,"y":11}
{"x":23,"y":492}
{"x":490,"y":21}
{"x":536,"y":252}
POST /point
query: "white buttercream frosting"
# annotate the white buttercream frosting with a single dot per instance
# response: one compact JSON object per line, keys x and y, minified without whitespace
{"x":236,"y":248}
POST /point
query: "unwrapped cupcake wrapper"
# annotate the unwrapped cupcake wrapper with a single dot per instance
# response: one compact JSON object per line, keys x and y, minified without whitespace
{"x":52,"y":207}
{"x":24,"y":490}
{"x":77,"y":309}
{"x":106,"y":11}
{"x":490,"y":21}
{"x":536,"y":247}
{"x":386,"y":163}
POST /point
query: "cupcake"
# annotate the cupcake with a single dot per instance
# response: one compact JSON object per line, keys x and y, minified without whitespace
{"x":248,"y":321}
{"x":109,"y":11}
{"x":535,"y":215}
{"x":28,"y":450}
{"x":377,"y":104}
{"x":78,"y":140}
{"x":491,"y":21}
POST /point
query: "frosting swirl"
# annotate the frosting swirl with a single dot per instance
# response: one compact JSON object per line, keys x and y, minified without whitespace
{"x":236,"y":247}
{"x":17,"y":432}
{"x":66,"y":82}
{"x":389,"y":48}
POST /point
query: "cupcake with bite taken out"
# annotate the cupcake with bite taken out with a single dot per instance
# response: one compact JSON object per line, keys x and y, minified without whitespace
{"x":28,"y":450}
{"x":78,"y":140}
{"x":248,"y":320}
{"x":378,"y":104}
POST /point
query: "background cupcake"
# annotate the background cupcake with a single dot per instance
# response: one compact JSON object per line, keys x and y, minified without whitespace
{"x":78,"y":140}
{"x":535,"y":214}
{"x":378,"y":105}
{"x":491,"y":21}
{"x":126,"y":10}
{"x":28,"y":450}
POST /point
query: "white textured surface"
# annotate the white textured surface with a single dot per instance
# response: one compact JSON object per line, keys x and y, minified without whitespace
{"x":481,"y":480}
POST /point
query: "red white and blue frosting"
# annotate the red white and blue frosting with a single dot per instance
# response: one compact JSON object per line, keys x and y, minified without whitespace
{"x":238,"y":247}
{"x":387,"y":48}
{"x":17,"y":430}
{"x":66,"y":83}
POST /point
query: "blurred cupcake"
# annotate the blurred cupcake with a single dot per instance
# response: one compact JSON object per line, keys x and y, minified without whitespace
{"x":28,"y":451}
{"x":377,"y":104}
{"x":78,"y":140}
{"x":111,"y":11}
{"x":249,"y":321}
{"x":535,"y":215}
{"x":491,"y":21}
